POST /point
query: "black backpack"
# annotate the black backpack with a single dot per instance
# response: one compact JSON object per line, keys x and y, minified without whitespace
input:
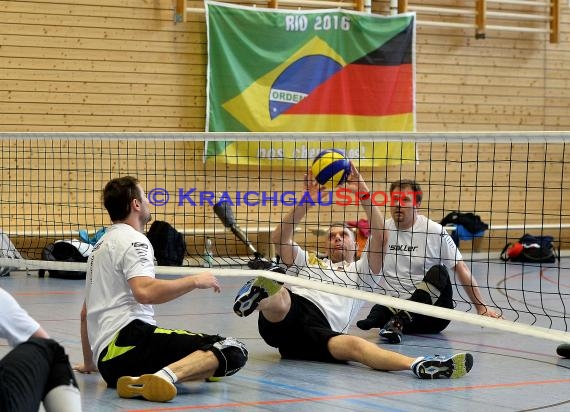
{"x":530,"y":249}
{"x":168,"y":244}
{"x":64,"y":252}
{"x":469,"y":221}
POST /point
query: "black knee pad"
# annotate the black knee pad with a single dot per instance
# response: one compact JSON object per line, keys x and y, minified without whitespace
{"x":60,"y":372}
{"x":421,"y":296}
{"x":231,"y":354}
{"x":438,"y":276}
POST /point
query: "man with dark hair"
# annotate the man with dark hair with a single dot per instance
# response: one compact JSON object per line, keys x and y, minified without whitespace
{"x":308,"y":324}
{"x":419,"y":256}
{"x":118,"y":329}
{"x":37,"y":370}
{"x":410,"y":186}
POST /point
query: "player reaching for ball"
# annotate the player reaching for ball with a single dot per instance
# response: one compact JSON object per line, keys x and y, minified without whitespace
{"x":311,"y":325}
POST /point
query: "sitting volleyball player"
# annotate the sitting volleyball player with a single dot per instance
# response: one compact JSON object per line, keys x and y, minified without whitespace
{"x":37,"y":370}
{"x":311,"y":325}
{"x":118,"y":330}
{"x":417,"y":263}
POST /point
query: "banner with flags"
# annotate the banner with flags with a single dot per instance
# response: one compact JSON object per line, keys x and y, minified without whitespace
{"x":308,"y":71}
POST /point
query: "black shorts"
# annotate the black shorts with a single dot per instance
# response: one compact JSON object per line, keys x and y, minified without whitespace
{"x":303,"y":334}
{"x":152,"y":348}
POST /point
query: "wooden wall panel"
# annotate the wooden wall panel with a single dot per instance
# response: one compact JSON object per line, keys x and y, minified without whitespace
{"x":132,"y":56}
{"x":124,"y":65}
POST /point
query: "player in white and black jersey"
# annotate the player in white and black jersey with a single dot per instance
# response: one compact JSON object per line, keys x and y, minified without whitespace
{"x":419,"y":259}
{"x":311,"y":325}
{"x":37,"y":370}
{"x":119,"y":334}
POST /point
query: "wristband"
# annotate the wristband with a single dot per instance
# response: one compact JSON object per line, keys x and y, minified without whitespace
{"x":364,"y":196}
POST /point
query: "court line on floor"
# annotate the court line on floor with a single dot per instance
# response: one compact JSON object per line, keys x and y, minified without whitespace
{"x":354,"y":396}
{"x":483,"y":345}
{"x":307,"y":392}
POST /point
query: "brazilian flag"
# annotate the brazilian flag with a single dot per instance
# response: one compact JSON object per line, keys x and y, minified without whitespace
{"x":309,"y":71}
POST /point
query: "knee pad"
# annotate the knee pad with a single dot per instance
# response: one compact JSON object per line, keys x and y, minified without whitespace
{"x":231,"y":354}
{"x":61,"y":373}
{"x":438,"y":276}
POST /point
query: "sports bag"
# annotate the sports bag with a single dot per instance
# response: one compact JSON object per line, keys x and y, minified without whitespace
{"x":530,"y":249}
{"x":168,"y":244}
{"x":66,"y":251}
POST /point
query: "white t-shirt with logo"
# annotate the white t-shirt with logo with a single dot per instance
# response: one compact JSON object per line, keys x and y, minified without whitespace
{"x":16,"y":326}
{"x":340,"y":311}
{"x":121,"y":254}
{"x":412,"y":252}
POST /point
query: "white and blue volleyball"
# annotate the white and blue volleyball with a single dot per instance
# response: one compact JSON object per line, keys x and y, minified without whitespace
{"x":331,"y":168}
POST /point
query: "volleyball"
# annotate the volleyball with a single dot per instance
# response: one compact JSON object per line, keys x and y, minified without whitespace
{"x":331,"y":168}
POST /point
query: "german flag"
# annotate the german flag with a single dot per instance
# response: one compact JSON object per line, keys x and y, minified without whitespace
{"x":325,"y":71}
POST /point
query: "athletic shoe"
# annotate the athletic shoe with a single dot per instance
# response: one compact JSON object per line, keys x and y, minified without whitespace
{"x":392,"y":330}
{"x":151,"y":387}
{"x":253,"y":292}
{"x":563,"y":350}
{"x":213,"y":379}
{"x":365,"y":324}
{"x":435,"y":367}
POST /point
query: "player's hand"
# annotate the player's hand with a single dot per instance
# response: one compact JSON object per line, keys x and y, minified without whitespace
{"x":85,"y":368}
{"x":485,"y":311}
{"x":207,"y":280}
{"x":355,"y":181}
{"x":313,"y":187}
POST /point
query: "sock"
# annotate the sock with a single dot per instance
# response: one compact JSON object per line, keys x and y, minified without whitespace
{"x":63,"y":398}
{"x":416,"y":361}
{"x":431,"y":289}
{"x":167,"y":374}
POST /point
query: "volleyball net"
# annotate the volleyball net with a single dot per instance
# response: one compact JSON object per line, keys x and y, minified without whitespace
{"x":514,"y":183}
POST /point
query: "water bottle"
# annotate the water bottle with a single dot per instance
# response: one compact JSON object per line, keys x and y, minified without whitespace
{"x":208,"y":255}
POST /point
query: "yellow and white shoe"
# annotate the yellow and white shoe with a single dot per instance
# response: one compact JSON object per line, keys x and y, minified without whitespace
{"x":150,"y":387}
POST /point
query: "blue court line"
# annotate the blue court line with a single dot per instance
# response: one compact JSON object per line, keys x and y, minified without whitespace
{"x":359,"y":402}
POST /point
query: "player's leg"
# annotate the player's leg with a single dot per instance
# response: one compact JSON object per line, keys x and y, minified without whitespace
{"x":301,"y":334}
{"x":433,"y":285}
{"x":436,"y":289}
{"x":253,"y":292}
{"x":61,"y":392}
{"x":156,"y":358}
{"x":159,"y":386}
{"x":354,"y":348}
{"x":215,"y":357}
{"x":36,"y":369}
{"x":357,"y":349}
{"x":377,"y":317}
{"x":440,"y":294}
